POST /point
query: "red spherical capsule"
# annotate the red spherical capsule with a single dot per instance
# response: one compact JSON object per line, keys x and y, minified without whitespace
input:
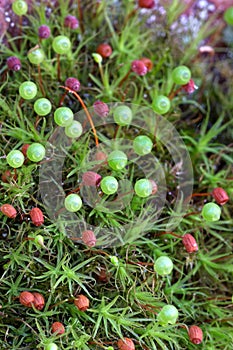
{"x":24,"y":149}
{"x":26,"y":299}
{"x":190,"y":87}
{"x":148,"y":63}
{"x":36,"y":216}
{"x":58,"y":328}
{"x":154,"y":187}
{"x":125,"y":344}
{"x":7,"y":176}
{"x":104,"y":50}
{"x":71,"y":22}
{"x":220,"y":195}
{"x":39,"y":301}
{"x":44,"y":32}
{"x":72,"y":83}
{"x":90,"y":178}
{"x":82,"y":302}
{"x":89,"y":238}
{"x":101,"y":108}
{"x":100,"y":156}
{"x":8,"y":210}
{"x":138,"y":67}
{"x":13,"y":63}
{"x":189,"y":243}
{"x":146,"y":4}
{"x":195,"y":334}
{"x":102,"y":275}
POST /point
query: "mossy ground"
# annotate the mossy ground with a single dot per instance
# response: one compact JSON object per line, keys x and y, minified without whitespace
{"x":124,"y":299}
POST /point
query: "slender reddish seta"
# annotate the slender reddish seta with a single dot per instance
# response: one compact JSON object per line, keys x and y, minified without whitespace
{"x":86,"y":111}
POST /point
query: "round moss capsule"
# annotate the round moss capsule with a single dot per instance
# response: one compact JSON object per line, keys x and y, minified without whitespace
{"x":109,"y":185}
{"x":163,"y":266}
{"x":15,"y":158}
{"x":42,"y":106}
{"x":181,"y":75}
{"x":51,"y":346}
{"x":36,"y":152}
{"x":36,"y":56}
{"x":74,"y":130}
{"x":61,"y":44}
{"x":122,"y":115}
{"x":73,"y":202}
{"x":161,"y":104}
{"x":228,"y":16}
{"x":211,"y":212}
{"x":168,"y":314}
{"x":117,"y":160}
{"x":114,"y":260}
{"x":63,"y":116}
{"x":143,"y":188}
{"x":142,"y":145}
{"x":28,"y":90}
{"x":20,"y":7}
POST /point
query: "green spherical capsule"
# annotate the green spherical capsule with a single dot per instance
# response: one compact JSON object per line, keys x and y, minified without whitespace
{"x":163,"y":266}
{"x":117,"y":160}
{"x":211,"y":212}
{"x":143,"y":188}
{"x":168,"y":314}
{"x":122,"y":115}
{"x":181,"y":75}
{"x":228,"y":16}
{"x":74,"y":130}
{"x":61,"y":44}
{"x":63,"y":116}
{"x":109,"y":185}
{"x":98,"y":58}
{"x":39,"y":240}
{"x":28,"y":90}
{"x":161,"y":104}
{"x":15,"y":159}
{"x":19,"y":7}
{"x":36,"y":56}
{"x":73,"y":202}
{"x":51,"y":346}
{"x":42,"y":106}
{"x":142,"y":145}
{"x":36,"y":152}
{"x":114,"y":260}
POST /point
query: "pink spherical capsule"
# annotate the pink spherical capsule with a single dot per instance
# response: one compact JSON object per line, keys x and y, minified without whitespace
{"x":148,"y":63}
{"x":39,"y":301}
{"x":189,"y":243}
{"x":138,"y":67}
{"x":90,"y":178}
{"x":71,"y":22}
{"x":72,"y":83}
{"x":44,"y":32}
{"x":220,"y":195}
{"x":13,"y":63}
{"x":154,"y":187}
{"x":89,"y":238}
{"x":24,"y":149}
{"x":8,"y":210}
{"x":101,"y":108}
{"x":195,"y":334}
{"x":104,"y":50}
{"x":146,"y":4}
{"x":190,"y":87}
{"x":36,"y":216}
{"x":100,"y":156}
{"x":58,"y":328}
